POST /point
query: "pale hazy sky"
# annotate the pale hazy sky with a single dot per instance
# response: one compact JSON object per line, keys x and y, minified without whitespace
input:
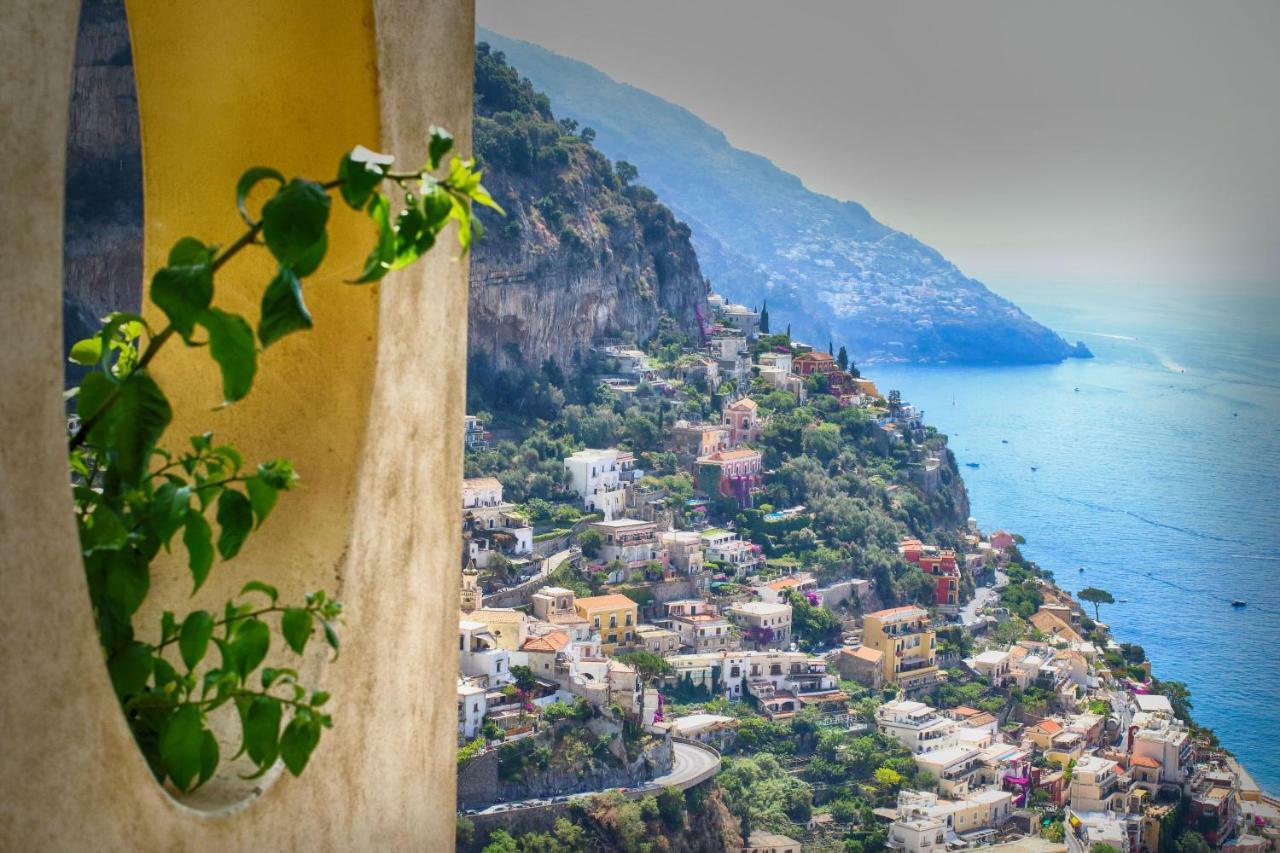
{"x":1030,"y":142}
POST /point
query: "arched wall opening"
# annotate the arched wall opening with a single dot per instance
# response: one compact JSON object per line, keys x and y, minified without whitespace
{"x":367,"y":406}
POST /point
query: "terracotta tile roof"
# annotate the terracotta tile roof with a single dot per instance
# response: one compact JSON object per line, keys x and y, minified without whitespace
{"x":731,"y":455}
{"x":1144,"y":761}
{"x":744,"y":403}
{"x":1051,"y":624}
{"x":605,"y":602}
{"x":894,"y":612}
{"x":783,"y":583}
{"x":980,"y":720}
{"x":865,"y":653}
{"x":1048,"y":727}
{"x":965,"y":711}
{"x":552,"y":641}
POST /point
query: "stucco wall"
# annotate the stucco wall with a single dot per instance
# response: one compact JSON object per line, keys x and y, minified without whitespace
{"x":369,"y":406}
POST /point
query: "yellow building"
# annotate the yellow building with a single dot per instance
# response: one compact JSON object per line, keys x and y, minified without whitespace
{"x":904,"y":635}
{"x":613,"y":616}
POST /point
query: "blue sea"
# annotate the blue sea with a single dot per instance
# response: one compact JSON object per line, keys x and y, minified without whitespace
{"x":1157,"y":471}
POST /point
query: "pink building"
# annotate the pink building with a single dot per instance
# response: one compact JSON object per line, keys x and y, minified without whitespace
{"x":742,"y":418}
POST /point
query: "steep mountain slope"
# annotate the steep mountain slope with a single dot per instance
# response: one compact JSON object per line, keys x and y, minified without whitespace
{"x":825,"y":266}
{"x":580,"y":255}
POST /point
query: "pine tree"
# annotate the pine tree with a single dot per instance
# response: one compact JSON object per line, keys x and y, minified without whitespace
{"x":764,"y":318}
{"x":843,"y":358}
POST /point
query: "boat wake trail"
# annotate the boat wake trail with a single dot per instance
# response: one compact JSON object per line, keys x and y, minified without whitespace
{"x":1186,"y":531}
{"x":1151,"y":578}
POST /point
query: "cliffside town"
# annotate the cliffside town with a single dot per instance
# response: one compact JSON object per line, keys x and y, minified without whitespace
{"x":722,"y":592}
{"x":711,"y":586}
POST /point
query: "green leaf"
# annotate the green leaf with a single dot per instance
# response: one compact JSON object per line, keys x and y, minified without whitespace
{"x":184,"y":288}
{"x":135,"y":423}
{"x":413,"y":237}
{"x":294,"y":219}
{"x":296,"y":627}
{"x":128,"y":579}
{"x":247,"y":182}
{"x":318,"y":698}
{"x":278,"y":474}
{"x":168,"y":626}
{"x":312,"y":258}
{"x":96,"y":390}
{"x":262,"y":730}
{"x":87,"y":351}
{"x":231,"y":345}
{"x":103,"y":531}
{"x":361,"y":170}
{"x":182,"y":746}
{"x":437,"y":204}
{"x":440,"y":145}
{"x":193,"y":642}
{"x":249,"y":645}
{"x":169,"y":508}
{"x":298,"y":742}
{"x":199,"y":541}
{"x":185,"y":253}
{"x":235,"y":518}
{"x":378,"y":264}
{"x":262,"y":496}
{"x":283,"y":310}
{"x":271,"y":675}
{"x":258,"y":586}
{"x":208,"y":757}
{"x":331,"y":637}
{"x":130,"y":668}
{"x":164,"y":673}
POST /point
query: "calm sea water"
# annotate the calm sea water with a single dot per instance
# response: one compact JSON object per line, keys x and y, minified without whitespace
{"x":1157,"y":470}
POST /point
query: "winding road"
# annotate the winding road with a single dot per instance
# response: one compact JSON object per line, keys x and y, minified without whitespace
{"x":981,"y":596}
{"x":691,"y":765}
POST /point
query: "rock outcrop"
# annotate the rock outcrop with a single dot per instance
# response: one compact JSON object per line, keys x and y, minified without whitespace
{"x":581,"y":255}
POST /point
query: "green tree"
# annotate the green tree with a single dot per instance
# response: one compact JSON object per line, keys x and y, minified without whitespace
{"x":524,"y":678}
{"x":1096,"y":597}
{"x":1191,"y":841}
{"x":764,"y":318}
{"x":590,"y":541}
{"x":647,"y":666}
{"x":842,"y":358}
{"x":626,"y":172}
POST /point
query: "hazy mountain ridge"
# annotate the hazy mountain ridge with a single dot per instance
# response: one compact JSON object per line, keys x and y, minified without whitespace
{"x":826,"y":266}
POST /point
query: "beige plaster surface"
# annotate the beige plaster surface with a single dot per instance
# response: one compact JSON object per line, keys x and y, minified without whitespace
{"x":369,"y":407}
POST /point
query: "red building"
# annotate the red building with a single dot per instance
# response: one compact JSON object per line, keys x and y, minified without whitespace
{"x":940,"y":564}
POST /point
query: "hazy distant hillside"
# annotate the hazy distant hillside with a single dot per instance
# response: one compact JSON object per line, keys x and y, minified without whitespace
{"x":825,"y":266}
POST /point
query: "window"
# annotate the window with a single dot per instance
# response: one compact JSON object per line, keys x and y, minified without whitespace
{"x":613,"y":621}
{"x":628,"y":618}
{"x":627,"y":636}
{"x":613,"y":638}
{"x":735,"y":672}
{"x":597,"y":621}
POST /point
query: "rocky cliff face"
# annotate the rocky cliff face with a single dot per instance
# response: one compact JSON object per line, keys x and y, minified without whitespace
{"x":581,"y":255}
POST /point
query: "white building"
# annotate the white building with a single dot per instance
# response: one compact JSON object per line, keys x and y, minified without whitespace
{"x":492,"y":524}
{"x":595,"y":476}
{"x":480,"y":656}
{"x":763,"y":624}
{"x":472,"y":706}
{"x":916,"y":726}
{"x":701,"y":627}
